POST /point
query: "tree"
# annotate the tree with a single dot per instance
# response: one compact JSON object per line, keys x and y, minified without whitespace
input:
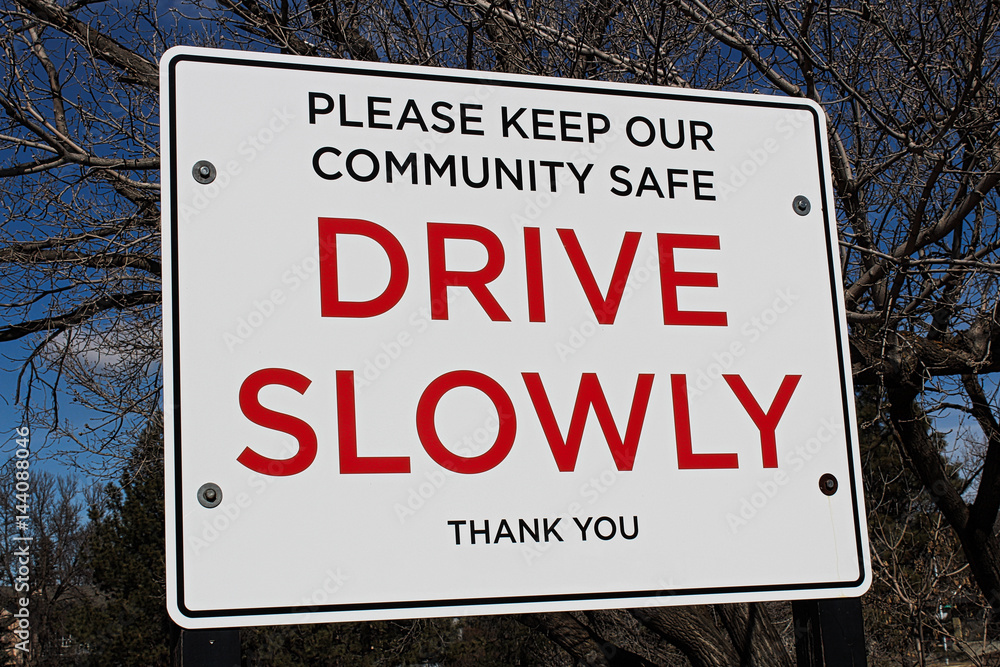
{"x":127,"y":623}
{"x":919,"y":567}
{"x":45,"y":529}
{"x":910,"y":92}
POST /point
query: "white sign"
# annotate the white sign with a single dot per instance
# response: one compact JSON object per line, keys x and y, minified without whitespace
{"x":440,"y":342}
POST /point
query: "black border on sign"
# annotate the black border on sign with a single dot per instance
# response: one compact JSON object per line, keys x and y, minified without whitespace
{"x":472,"y":78}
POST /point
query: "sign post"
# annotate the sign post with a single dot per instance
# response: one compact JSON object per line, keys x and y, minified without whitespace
{"x":829,"y":633}
{"x":440,"y":342}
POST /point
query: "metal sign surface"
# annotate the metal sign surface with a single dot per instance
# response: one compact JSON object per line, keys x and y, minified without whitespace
{"x":440,"y":342}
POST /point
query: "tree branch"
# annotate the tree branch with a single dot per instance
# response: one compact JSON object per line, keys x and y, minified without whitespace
{"x":80,"y":314}
{"x":99,"y":45}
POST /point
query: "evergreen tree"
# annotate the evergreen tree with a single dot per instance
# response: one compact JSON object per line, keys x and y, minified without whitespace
{"x":128,"y":624}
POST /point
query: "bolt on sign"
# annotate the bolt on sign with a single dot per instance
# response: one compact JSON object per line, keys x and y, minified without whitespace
{"x":440,"y":342}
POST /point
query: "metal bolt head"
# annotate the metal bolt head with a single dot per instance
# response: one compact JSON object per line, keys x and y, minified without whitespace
{"x":203,"y":172}
{"x":209,"y":495}
{"x":801,"y":205}
{"x":828,"y":484}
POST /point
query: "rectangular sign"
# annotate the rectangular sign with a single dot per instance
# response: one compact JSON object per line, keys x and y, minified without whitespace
{"x":440,"y":342}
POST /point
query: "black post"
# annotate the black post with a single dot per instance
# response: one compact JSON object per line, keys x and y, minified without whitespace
{"x":829,"y":633}
{"x":210,"y":648}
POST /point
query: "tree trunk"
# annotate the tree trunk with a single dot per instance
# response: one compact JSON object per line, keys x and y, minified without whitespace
{"x":974,"y":529}
{"x":577,"y":639}
{"x":693,"y":631}
{"x":753,"y":635}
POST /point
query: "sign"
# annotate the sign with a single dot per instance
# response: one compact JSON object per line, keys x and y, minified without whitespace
{"x":440,"y":343}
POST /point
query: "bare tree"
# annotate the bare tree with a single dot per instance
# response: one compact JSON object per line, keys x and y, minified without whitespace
{"x":43,"y":536}
{"x":910,"y":91}
{"x":80,"y":240}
